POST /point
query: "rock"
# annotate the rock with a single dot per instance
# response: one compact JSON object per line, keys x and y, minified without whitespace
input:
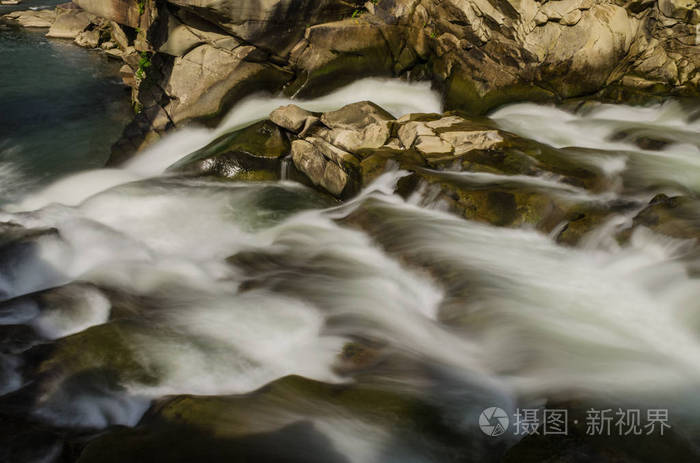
{"x":252,"y":153}
{"x":349,"y":147}
{"x":32,"y":19}
{"x":108,"y":45}
{"x":272,"y":25}
{"x":680,"y":9}
{"x":69,"y":23}
{"x":337,"y":53}
{"x":127,"y":75}
{"x":114,"y":53}
{"x":433,"y":146}
{"x":677,"y":217}
{"x":320,"y":170}
{"x":88,"y":39}
{"x":118,"y":36}
{"x":228,"y":428}
{"x":292,"y":118}
{"x":464,"y":141}
{"x":121,"y":11}
{"x":205,"y":79}
{"x":22,"y":269}
{"x":483,"y":56}
{"x":355,"y":116}
{"x":409,"y":132}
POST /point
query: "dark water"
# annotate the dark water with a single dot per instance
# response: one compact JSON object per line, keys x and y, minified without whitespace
{"x":61,"y":108}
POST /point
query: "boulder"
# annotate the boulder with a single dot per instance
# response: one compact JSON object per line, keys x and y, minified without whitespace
{"x":69,"y":23}
{"x":273,"y":25}
{"x":32,"y":19}
{"x":680,"y":9}
{"x":677,"y":217}
{"x":118,"y":36}
{"x":88,"y":39}
{"x":204,"y":80}
{"x":127,"y":75}
{"x":252,"y":153}
{"x":320,"y":170}
{"x":292,"y":118}
{"x":124,"y":12}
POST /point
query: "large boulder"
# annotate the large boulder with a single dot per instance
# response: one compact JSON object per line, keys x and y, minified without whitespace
{"x":204,"y":80}
{"x":126,"y":12}
{"x":273,"y":25}
{"x":69,"y":23}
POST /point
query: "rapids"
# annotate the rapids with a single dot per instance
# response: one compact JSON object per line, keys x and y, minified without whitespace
{"x":212,"y":288}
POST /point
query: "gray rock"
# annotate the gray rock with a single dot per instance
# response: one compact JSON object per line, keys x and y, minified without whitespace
{"x":88,"y":39}
{"x":69,"y":23}
{"x":292,"y":117}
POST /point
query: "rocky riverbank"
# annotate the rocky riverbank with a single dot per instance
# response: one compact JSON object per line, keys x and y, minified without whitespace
{"x":189,"y":62}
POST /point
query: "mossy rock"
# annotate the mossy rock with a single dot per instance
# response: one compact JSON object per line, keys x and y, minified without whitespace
{"x":112,"y":348}
{"x":461,"y":93}
{"x":232,"y":428}
{"x":499,"y":204}
{"x":582,"y":220}
{"x":251,"y":154}
{"x":677,"y":217}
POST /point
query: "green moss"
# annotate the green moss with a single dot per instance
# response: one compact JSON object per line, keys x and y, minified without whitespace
{"x":112,"y":347}
{"x":252,"y":153}
{"x":461,"y":93}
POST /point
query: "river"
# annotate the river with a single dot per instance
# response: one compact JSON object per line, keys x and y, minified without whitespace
{"x":173,"y":286}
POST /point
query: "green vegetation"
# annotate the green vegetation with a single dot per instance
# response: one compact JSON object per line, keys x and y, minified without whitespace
{"x":142,"y":6}
{"x":144,"y":63}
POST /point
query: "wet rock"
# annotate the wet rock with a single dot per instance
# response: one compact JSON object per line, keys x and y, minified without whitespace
{"x":21,"y":268}
{"x":229,"y":428}
{"x":677,"y":217}
{"x":252,"y":153}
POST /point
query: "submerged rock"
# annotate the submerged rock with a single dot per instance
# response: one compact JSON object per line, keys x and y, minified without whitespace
{"x":677,"y":217}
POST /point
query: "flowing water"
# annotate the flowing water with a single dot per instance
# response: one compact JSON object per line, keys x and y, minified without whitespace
{"x":61,"y":108}
{"x":194,"y":286}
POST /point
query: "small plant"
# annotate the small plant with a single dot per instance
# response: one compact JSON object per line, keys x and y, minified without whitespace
{"x":142,"y":7}
{"x":356,"y":13}
{"x":144,"y":63}
{"x":138,"y":107}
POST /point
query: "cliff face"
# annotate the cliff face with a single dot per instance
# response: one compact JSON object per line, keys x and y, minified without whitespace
{"x":202,"y":55}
